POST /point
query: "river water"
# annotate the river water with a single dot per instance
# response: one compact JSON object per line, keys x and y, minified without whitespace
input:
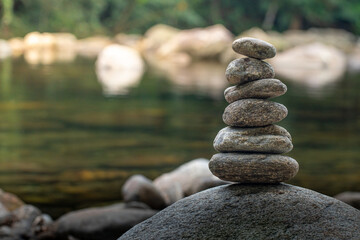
{"x":66,"y":144}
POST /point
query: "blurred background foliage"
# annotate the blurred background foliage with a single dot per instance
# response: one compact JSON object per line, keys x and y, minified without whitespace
{"x":89,"y":17}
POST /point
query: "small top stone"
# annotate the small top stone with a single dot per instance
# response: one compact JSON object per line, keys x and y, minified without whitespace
{"x":254,"y":48}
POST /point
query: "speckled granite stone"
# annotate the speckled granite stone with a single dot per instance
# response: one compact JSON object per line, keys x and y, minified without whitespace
{"x":245,"y":70}
{"x":269,"y":139}
{"x":260,"y":89}
{"x":252,"y":212}
{"x":254,"y":48}
{"x":253,"y":113}
{"x":253,"y":168}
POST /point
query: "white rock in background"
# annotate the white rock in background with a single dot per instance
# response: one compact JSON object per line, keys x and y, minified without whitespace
{"x":5,"y":49}
{"x":118,"y":68}
{"x":314,"y":65}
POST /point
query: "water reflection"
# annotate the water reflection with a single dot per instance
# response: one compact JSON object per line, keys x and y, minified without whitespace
{"x":119,"y":68}
{"x":65,"y":146}
{"x":205,"y":78}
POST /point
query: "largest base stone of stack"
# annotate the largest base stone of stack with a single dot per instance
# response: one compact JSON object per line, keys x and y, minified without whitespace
{"x":260,"y":211}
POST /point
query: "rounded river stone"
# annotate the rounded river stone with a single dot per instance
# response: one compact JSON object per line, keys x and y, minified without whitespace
{"x":254,"y":48}
{"x":269,"y":139}
{"x":253,"y":168}
{"x":260,"y":89}
{"x":252,"y":212}
{"x":245,"y":70}
{"x":253,"y":113}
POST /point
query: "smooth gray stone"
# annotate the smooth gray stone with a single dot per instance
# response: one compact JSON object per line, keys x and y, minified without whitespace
{"x":268,"y":139}
{"x":253,"y":168}
{"x":260,"y":89}
{"x":253,"y":113}
{"x":245,"y":70}
{"x":100,"y":222}
{"x":254,"y":48}
{"x":252,"y":212}
{"x":138,"y":188}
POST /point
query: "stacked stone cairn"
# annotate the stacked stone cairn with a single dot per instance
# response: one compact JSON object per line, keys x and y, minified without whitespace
{"x":250,"y":147}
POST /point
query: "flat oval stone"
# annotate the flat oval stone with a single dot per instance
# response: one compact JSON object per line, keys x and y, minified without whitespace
{"x":253,"y":113}
{"x":260,"y":89}
{"x":254,"y":48}
{"x":245,"y":70}
{"x":268,"y":139}
{"x":253,"y":168}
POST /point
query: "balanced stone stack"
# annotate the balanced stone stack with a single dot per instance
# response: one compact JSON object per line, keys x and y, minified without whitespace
{"x":250,"y":147}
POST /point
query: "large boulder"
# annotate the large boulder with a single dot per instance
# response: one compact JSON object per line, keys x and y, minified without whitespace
{"x":119,"y":68}
{"x":252,"y":212}
{"x":100,"y":223}
{"x":141,"y":189}
{"x":185,"y":180}
{"x":156,"y":36}
{"x":314,"y":65}
{"x":199,"y":43}
{"x":338,"y":38}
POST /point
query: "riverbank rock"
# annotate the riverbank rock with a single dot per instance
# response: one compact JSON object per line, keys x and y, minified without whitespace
{"x":258,"y":211}
{"x":351,"y":198}
{"x":260,"y":89}
{"x":253,"y":113}
{"x":199,"y":43}
{"x":244,"y":70}
{"x":19,"y":224}
{"x":141,"y":189}
{"x":185,"y":180}
{"x":10,"y":201}
{"x":100,"y":223}
{"x":92,"y":46}
{"x":314,"y":65}
{"x":156,"y":36}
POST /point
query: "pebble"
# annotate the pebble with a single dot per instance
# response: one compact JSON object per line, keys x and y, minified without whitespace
{"x":269,"y":139}
{"x":253,"y":168}
{"x":260,"y":89}
{"x":245,"y":70}
{"x":253,"y":113}
{"x":254,"y":48}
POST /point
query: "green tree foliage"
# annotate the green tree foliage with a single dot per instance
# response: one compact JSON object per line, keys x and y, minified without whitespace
{"x":89,"y":17}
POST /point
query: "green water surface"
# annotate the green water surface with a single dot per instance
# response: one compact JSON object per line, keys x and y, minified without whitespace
{"x":65,"y":145}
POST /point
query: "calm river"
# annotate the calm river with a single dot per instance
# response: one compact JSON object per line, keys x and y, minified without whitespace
{"x":66,"y":145}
